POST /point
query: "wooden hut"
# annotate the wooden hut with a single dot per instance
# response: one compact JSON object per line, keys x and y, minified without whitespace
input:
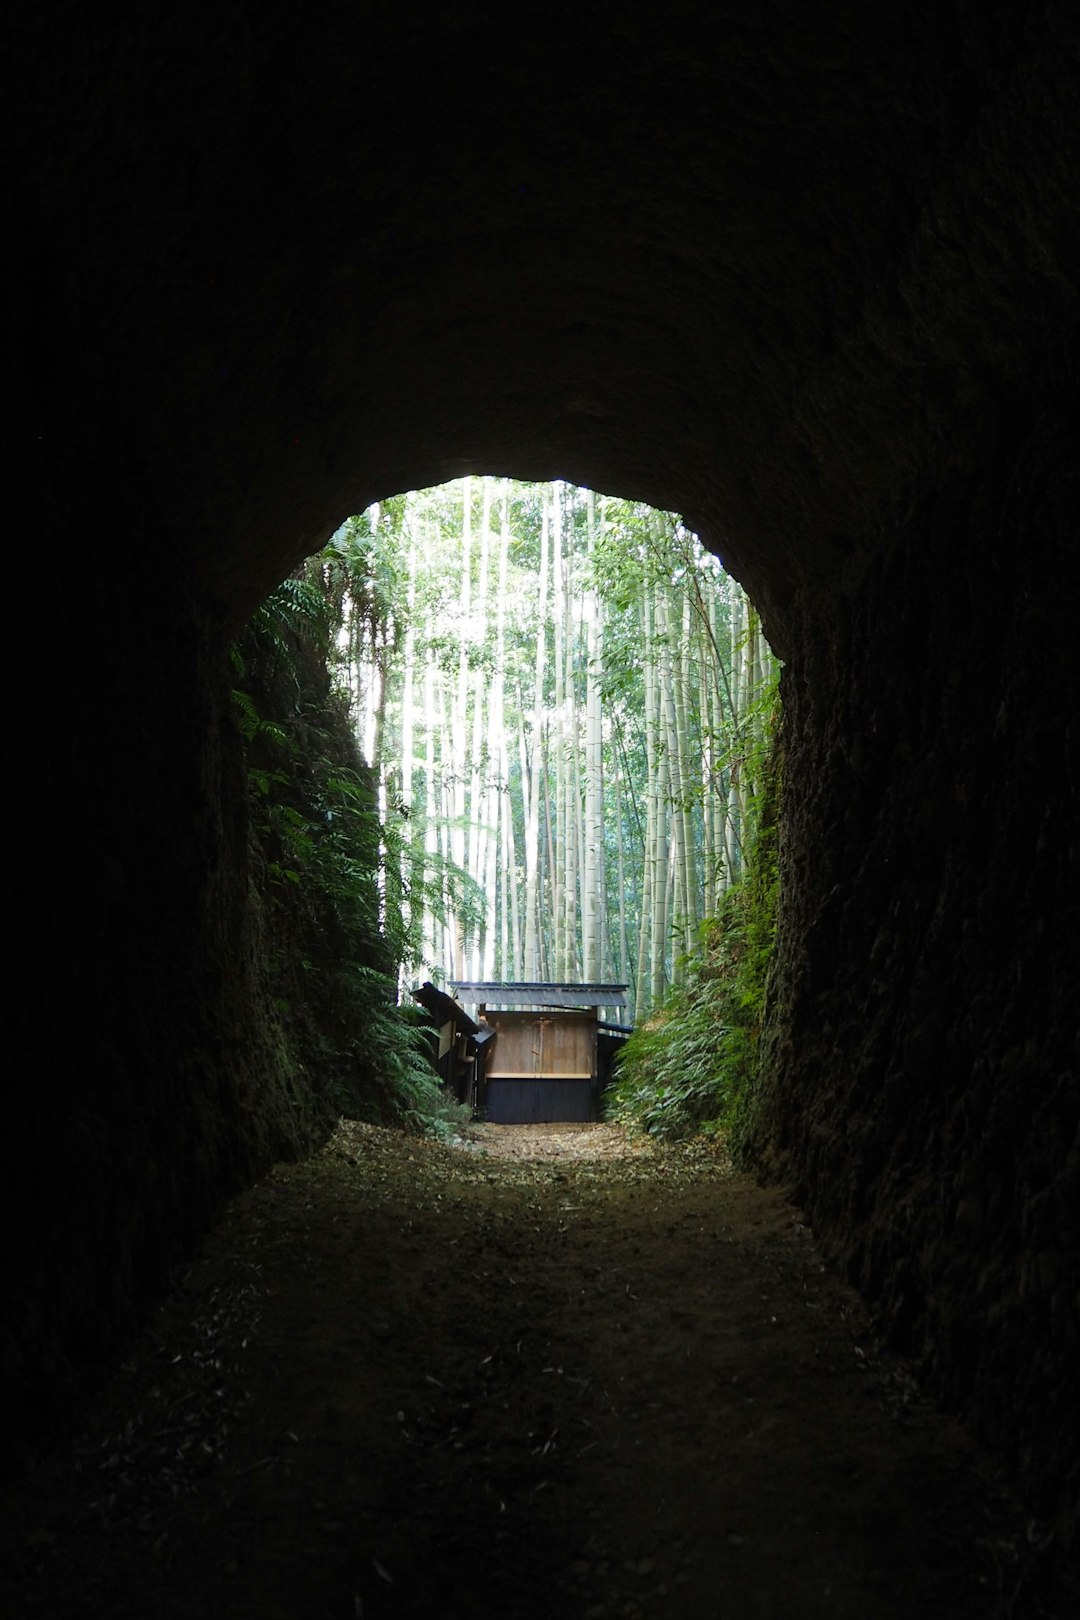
{"x":543,"y":1064}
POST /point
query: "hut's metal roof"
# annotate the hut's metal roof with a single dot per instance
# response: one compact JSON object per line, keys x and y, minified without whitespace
{"x":540,"y":993}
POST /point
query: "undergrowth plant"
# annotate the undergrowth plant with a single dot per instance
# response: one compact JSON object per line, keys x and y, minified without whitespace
{"x":407,"y":1069}
{"x":335,"y":932}
{"x":693,"y":1064}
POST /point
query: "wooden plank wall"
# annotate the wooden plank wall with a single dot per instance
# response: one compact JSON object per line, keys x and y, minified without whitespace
{"x":543,"y":1046}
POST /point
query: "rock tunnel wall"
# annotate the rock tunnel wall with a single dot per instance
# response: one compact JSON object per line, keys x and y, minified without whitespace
{"x":151,"y":1083}
{"x":921,"y":1083}
{"x":807,"y":273}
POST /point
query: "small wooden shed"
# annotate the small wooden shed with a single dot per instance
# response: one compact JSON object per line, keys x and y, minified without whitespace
{"x":543,"y":1064}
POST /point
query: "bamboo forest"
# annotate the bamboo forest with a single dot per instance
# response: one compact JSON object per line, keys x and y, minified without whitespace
{"x":565,"y":702}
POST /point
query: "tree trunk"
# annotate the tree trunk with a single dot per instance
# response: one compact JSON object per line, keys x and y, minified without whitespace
{"x":688,"y":874}
{"x":593,"y":909}
{"x":532,"y":820}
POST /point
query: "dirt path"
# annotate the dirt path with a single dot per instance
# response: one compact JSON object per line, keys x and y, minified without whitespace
{"x":553,"y":1374}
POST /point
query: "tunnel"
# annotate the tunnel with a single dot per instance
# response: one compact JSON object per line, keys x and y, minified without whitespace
{"x":804,"y":273}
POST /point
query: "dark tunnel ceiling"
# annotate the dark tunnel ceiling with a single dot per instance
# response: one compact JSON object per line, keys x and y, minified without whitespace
{"x":709,"y":261}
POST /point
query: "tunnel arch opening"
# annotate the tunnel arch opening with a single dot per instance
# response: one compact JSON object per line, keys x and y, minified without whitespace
{"x":565,"y":712}
{"x":834,"y":307}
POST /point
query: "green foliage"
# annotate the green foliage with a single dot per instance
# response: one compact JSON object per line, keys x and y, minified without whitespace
{"x":320,"y":855}
{"x":431,"y":882}
{"x":296,"y":609}
{"x":693,"y":1065}
{"x":402,"y":1044}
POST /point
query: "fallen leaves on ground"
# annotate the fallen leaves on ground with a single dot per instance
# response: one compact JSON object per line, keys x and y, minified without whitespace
{"x":545,"y":1370}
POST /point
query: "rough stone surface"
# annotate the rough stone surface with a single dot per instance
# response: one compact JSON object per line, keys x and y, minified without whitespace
{"x":807,"y":272}
{"x":922,"y":1086}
